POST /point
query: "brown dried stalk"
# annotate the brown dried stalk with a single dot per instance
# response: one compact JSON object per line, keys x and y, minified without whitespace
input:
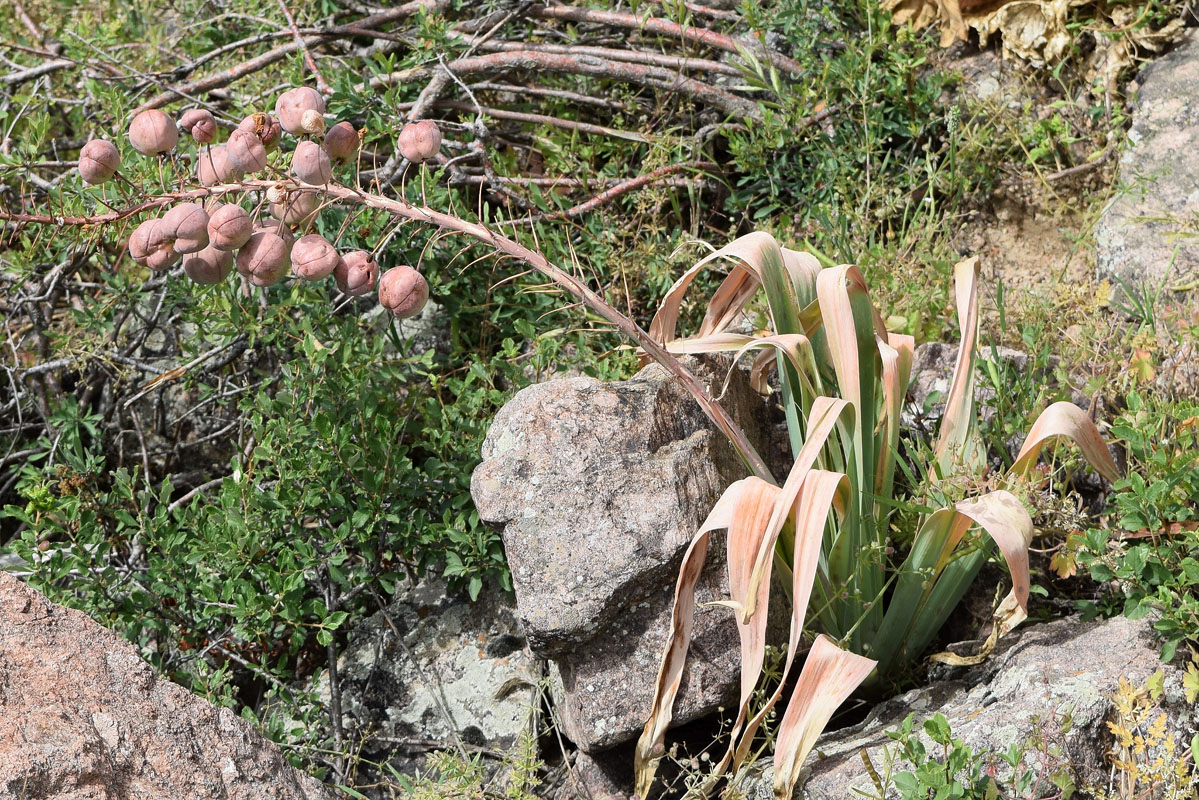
{"x":486,"y":235}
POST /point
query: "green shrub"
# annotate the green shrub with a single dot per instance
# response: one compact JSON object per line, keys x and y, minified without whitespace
{"x":1151,"y":552}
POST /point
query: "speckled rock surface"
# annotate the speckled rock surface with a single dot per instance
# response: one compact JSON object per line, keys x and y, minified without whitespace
{"x":604,"y":688}
{"x":1157,"y":209}
{"x":434,"y":666}
{"x":598,"y":489}
{"x":1044,"y":673}
{"x":82,"y":717}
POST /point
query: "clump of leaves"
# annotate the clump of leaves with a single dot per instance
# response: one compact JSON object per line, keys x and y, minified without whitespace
{"x":960,"y":773}
{"x":1151,"y":554}
{"x":827,"y":528}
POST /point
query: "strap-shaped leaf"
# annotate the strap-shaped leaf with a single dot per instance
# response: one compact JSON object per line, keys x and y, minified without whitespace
{"x":744,"y":539}
{"x":897,"y":357}
{"x":958,"y":441}
{"x":742,"y":502}
{"x":829,"y":676}
{"x":803,"y":269}
{"x":826,"y":413}
{"x":809,"y":514}
{"x":1068,"y":420}
{"x":760,"y":263}
{"x":1004,"y":518}
{"x":849,"y":325}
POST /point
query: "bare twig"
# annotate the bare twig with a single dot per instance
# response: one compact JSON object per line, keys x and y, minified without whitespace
{"x":664,"y":27}
{"x":625,"y":187}
{"x":321,"y":86}
{"x":680,"y":63}
{"x":250,"y":66}
{"x":537,"y":61}
{"x":542,"y":119}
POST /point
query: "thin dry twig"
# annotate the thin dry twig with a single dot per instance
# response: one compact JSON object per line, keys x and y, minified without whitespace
{"x":664,"y":27}
{"x":309,"y":61}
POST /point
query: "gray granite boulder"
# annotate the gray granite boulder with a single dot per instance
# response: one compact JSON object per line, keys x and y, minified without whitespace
{"x":1154,"y":219}
{"x":1042,"y":675}
{"x":597,"y":489}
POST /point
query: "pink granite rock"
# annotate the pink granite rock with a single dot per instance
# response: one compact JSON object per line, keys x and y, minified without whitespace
{"x":82,"y":717}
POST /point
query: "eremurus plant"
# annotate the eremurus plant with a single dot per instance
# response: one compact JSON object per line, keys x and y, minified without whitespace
{"x":842,"y":379}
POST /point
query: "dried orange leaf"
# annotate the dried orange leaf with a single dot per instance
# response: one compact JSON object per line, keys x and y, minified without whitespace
{"x":829,"y":676}
{"x":1068,"y":420}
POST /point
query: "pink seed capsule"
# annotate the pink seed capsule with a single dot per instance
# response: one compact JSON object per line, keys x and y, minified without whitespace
{"x":264,"y":258}
{"x":341,"y":142}
{"x":213,"y":166}
{"x":356,"y":273}
{"x":246,"y":151}
{"x":153,"y":132}
{"x":186,"y":226}
{"x":420,"y":141}
{"x":98,"y":161}
{"x":311,"y":164}
{"x":403,"y":291}
{"x":265,"y":127}
{"x":292,"y":104}
{"x":313,"y":257}
{"x":200,"y":124}
{"x":208,"y":266}
{"x":229,"y":227}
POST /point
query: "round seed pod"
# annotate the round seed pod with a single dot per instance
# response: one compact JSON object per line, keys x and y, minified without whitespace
{"x":152,"y":132}
{"x":229,"y":227}
{"x":186,"y":225}
{"x":246,"y":151}
{"x":356,"y":273}
{"x":420,"y":141}
{"x":264,"y":258}
{"x":143,"y":240}
{"x":98,"y":161}
{"x":149,"y":247}
{"x":341,"y":142}
{"x":292,"y":104}
{"x":312,"y":122}
{"x":313,"y":258}
{"x":298,"y":209}
{"x":209,"y":265}
{"x":311,"y":164}
{"x":200,"y":124}
{"x":403,"y":291}
{"x":265,"y":127}
{"x":213,"y":166}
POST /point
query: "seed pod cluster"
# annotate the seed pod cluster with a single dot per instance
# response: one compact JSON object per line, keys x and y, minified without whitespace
{"x":213,"y":235}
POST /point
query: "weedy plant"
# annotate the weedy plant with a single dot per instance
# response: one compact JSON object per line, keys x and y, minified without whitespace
{"x":826,"y":529}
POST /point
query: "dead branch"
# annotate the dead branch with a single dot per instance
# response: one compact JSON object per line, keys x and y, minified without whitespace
{"x":542,"y":119}
{"x":608,"y":195}
{"x":664,"y":27}
{"x":535,"y":61}
{"x":309,"y":61}
{"x":680,"y":63}
{"x":250,"y":66}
